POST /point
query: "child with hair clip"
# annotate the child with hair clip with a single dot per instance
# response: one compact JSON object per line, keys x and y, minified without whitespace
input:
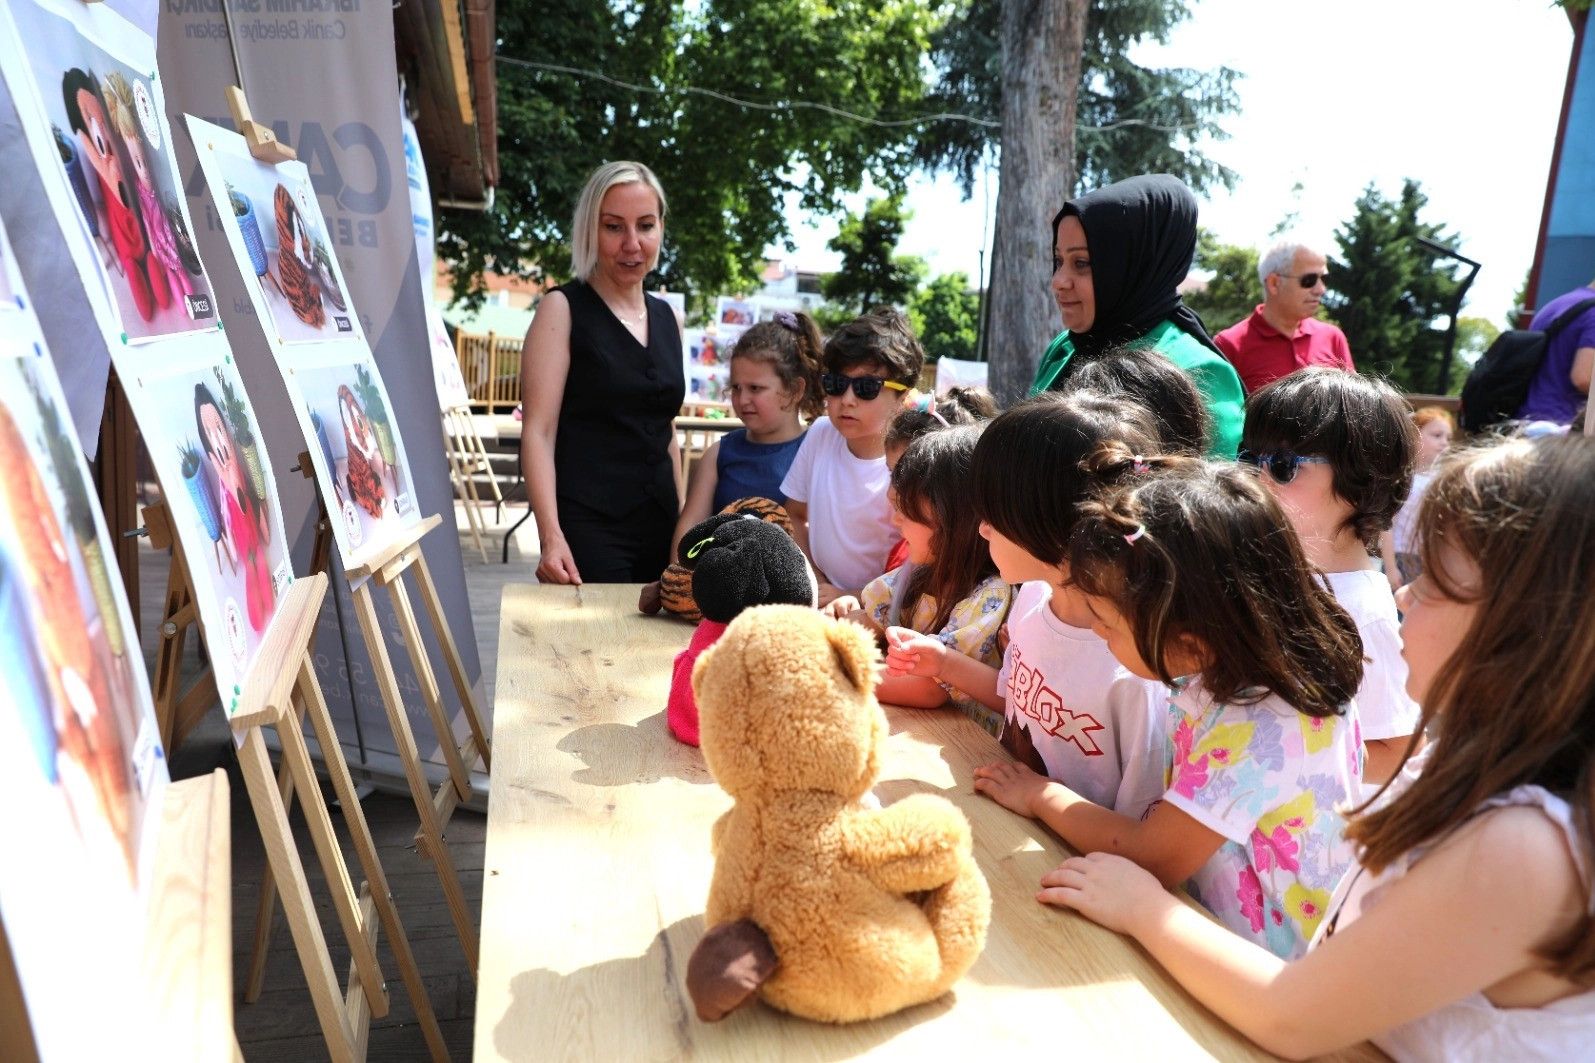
{"x":1399,"y":545}
{"x":1464,"y":932}
{"x":922,"y":412}
{"x":1196,"y":580}
{"x":1071,"y":711}
{"x":1337,"y":450}
{"x":1149,"y":379}
{"x":948,"y":588}
{"x":836,"y":487}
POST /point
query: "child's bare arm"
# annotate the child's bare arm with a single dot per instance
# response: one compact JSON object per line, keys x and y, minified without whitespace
{"x":1402,"y":959}
{"x":908,"y":653}
{"x":1169,"y":843}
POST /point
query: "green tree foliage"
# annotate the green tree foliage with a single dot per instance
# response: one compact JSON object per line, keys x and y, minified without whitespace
{"x":946,"y":317}
{"x":872,"y":272}
{"x":1474,"y":336}
{"x":1233,"y":290}
{"x":1131,"y":119}
{"x":727,"y":169}
{"x":1387,"y":293}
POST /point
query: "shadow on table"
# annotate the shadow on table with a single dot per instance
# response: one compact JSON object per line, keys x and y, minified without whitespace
{"x":637,"y":1008}
{"x":618,"y":754}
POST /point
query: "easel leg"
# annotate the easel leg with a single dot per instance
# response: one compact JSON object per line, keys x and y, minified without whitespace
{"x":459,"y":771}
{"x":415,"y":774}
{"x":272,"y":819}
{"x":266,"y":909}
{"x":366,"y":851}
{"x":451,"y":653}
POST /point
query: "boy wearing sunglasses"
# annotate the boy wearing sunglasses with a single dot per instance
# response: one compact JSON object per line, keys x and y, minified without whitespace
{"x":1284,"y":334}
{"x":1338,"y":450}
{"x":836,"y":488}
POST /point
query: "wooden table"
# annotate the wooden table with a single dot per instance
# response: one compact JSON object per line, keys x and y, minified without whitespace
{"x":597,"y":866}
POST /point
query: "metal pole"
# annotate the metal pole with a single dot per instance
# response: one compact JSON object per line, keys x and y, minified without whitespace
{"x":1441,"y":251}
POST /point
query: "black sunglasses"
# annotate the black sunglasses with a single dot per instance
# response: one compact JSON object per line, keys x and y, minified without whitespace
{"x":1308,"y":280}
{"x":1281,"y":464}
{"x":865,"y":387}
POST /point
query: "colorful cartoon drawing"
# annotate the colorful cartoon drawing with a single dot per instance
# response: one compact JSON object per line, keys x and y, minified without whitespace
{"x":296,"y":261}
{"x":244,"y":515}
{"x":364,"y":458}
{"x":164,"y":256}
{"x":91,"y":755}
{"x":87,"y":115}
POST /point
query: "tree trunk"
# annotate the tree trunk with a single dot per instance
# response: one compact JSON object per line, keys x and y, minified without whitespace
{"x":1041,"y":47}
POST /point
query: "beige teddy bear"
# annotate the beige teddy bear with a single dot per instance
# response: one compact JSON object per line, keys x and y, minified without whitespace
{"x":827,"y":909}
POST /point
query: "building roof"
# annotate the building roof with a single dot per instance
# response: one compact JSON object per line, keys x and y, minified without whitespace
{"x":445,"y":52}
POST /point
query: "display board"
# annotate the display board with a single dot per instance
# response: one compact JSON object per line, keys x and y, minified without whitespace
{"x":79,"y":750}
{"x":87,"y":67}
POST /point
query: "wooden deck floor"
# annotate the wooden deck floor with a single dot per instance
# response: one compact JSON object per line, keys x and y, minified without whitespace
{"x":281,"y":1026}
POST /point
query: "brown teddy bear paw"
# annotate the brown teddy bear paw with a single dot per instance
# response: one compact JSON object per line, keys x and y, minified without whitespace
{"x":651,"y":600}
{"x":727,"y":968}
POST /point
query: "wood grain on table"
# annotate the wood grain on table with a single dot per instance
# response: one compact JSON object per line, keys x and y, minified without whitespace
{"x":597,"y":867}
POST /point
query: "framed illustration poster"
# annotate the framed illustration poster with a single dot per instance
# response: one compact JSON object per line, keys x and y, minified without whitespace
{"x":275,"y":228}
{"x":95,"y":119}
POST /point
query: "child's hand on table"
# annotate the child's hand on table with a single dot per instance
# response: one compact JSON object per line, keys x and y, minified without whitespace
{"x":1106,"y":889}
{"x":839,"y":608}
{"x":910,"y":653}
{"x":1013,"y":786}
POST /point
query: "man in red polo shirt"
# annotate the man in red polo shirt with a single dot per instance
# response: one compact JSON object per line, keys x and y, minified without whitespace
{"x":1282,"y":335}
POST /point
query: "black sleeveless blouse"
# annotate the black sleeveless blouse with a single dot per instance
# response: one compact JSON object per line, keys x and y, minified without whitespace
{"x":616,"y":419}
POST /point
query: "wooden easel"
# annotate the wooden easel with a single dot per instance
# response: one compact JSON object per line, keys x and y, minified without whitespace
{"x":282,"y":669}
{"x":311,"y":702}
{"x":175,"y":712}
{"x":186,"y":968}
{"x":467,"y":458}
{"x":385,"y":568}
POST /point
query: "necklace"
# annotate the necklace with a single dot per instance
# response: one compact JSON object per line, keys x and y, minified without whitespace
{"x":630,"y":319}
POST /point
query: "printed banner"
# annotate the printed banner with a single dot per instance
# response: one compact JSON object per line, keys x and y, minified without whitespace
{"x":79,"y":747}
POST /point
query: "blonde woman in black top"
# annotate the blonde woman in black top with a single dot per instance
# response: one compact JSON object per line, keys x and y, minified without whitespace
{"x":602,"y":380}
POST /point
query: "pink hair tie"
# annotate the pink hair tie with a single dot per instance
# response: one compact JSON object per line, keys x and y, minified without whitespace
{"x":1140,"y":530}
{"x":926,"y":403}
{"x":1139,"y":466}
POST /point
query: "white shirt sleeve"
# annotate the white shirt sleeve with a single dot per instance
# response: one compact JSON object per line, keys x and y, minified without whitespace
{"x":796,"y":485}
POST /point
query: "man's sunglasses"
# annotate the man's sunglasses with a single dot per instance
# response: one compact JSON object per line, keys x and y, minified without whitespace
{"x":1308,"y":280}
{"x":1281,"y":464}
{"x":865,"y":387}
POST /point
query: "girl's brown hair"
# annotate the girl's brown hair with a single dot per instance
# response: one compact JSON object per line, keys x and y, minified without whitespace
{"x":1029,"y":474}
{"x":934,"y":487}
{"x":1517,"y":697}
{"x":1359,"y":423}
{"x":791,"y":345}
{"x":1215,"y":557}
{"x":928,"y":413}
{"x":881,"y":339}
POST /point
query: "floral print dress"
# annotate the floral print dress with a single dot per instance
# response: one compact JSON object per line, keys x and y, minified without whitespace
{"x":971,"y":629}
{"x":1275,"y":783}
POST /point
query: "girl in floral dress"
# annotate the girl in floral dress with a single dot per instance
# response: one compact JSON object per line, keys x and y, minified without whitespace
{"x":1195,"y":578}
{"x":948,"y":588}
{"x":1464,"y":931}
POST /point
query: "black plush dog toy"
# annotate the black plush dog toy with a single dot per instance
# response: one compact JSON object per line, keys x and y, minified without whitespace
{"x":737,"y":561}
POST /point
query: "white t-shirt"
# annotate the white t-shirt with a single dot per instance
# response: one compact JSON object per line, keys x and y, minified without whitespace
{"x":1404,"y":528}
{"x":1382,"y":702}
{"x":850,"y":521}
{"x":1098,"y":728}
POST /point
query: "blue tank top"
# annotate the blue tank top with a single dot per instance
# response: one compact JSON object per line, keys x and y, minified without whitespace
{"x":751,"y":470}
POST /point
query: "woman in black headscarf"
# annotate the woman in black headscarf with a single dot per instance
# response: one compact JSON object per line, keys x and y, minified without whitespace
{"x":1119,"y":255}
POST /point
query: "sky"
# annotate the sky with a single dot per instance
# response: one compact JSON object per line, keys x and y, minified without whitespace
{"x":1461,"y":95}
